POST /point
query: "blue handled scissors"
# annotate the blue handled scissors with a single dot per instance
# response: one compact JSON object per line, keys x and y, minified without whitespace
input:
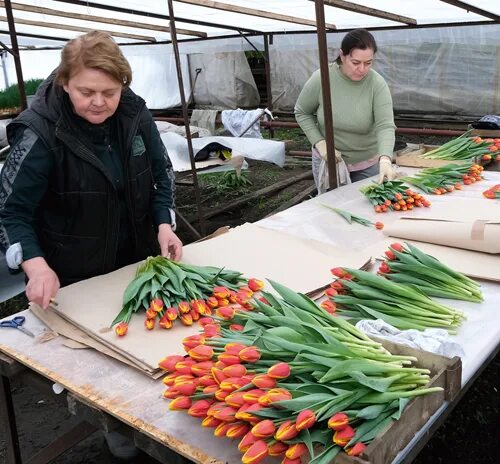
{"x":16,"y":323}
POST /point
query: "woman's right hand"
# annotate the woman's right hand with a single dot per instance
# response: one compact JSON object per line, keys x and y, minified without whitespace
{"x":43,"y":283}
{"x":321,"y":147}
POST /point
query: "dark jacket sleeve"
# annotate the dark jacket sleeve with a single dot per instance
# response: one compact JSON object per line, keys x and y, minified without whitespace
{"x":163,"y":202}
{"x":23,"y":183}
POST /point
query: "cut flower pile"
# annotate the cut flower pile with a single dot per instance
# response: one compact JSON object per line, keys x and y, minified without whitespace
{"x":168,"y":290}
{"x":286,"y":378}
{"x":393,"y":195}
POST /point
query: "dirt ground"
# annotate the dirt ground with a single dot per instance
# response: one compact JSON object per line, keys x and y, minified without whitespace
{"x":469,"y":434}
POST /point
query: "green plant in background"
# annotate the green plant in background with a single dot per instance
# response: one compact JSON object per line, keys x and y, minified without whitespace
{"x":9,"y":98}
{"x":231,"y":181}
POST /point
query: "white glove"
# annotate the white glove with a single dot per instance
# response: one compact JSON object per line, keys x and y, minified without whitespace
{"x":321,"y":147}
{"x":386,"y":170}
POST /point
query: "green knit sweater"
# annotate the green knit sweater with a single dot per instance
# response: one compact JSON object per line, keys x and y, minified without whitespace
{"x":363,"y":119}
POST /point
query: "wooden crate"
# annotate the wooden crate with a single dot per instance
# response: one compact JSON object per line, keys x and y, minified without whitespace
{"x":445,"y":373}
{"x":410,"y":157}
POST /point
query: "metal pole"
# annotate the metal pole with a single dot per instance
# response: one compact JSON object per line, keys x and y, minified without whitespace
{"x":15,"y":49}
{"x":173,"y":35}
{"x":325,"y":86}
{"x":267,"y":67}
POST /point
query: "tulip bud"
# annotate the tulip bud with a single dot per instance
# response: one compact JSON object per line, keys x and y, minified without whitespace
{"x":151,"y":313}
{"x":264,"y":381}
{"x":329,"y":306}
{"x":278,"y":448}
{"x":225,"y":312}
{"x":156,"y":305}
{"x":181,"y":402}
{"x":286,"y":431}
{"x":250,"y":354}
{"x":252,"y":396}
{"x":291,"y":461}
{"x":201,"y":353}
{"x":236,"y":327}
{"x":356,"y":450}
{"x":226,"y":414}
{"x":229,"y":359}
{"x":256,"y":453}
{"x":165,"y":322}
{"x":186,"y":388}
{"x":212,"y":302}
{"x":187,"y":319}
{"x":199,"y":408}
{"x":255,"y":285}
{"x":184,"y":307}
{"x":211,"y":330}
{"x":296,"y":450}
{"x":234,"y":348}
{"x":279,"y":371}
{"x":263,"y":429}
{"x":202,"y":368}
{"x":221,"y":430}
{"x":210,"y":421}
{"x":220,"y":292}
{"x":121,"y":329}
{"x":235,"y":399}
{"x":390,"y":255}
{"x":192,"y":341}
{"x":171,"y":313}
{"x":343,"y":436}
{"x":184,"y":366}
{"x":237,"y":430}
{"x":247,"y":441}
{"x":149,"y":324}
{"x":235,"y":370}
{"x":338,"y":272}
{"x":305,"y":419}
{"x":205,"y":321}
{"x":338,"y":421}
{"x":398,"y":247}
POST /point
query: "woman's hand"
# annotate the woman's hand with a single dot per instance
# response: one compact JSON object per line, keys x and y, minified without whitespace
{"x":43,"y":283}
{"x":321,"y":147}
{"x":170,"y":245}
{"x":385,"y":169}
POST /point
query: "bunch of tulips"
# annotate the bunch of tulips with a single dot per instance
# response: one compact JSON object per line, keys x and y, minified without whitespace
{"x":445,"y":179}
{"x":406,"y":264}
{"x":493,"y":192}
{"x":288,"y":379}
{"x":363,"y":295}
{"x":351,"y":217}
{"x":168,"y":290}
{"x":465,"y":148}
{"x":393,"y":195}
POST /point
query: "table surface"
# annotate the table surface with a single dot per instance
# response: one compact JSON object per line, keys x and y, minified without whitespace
{"x":137,"y":400}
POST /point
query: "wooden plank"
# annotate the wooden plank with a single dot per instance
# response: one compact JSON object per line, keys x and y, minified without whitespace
{"x":63,"y":443}
{"x":473,"y":9}
{"x":77,"y":29}
{"x":252,"y":196}
{"x":254,"y":12}
{"x":354,"y":7}
{"x":101,"y":19}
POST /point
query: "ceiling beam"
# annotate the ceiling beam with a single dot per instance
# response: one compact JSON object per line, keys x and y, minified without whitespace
{"x":100,"y":19}
{"x":473,"y":9}
{"x":148,"y":14}
{"x":77,"y":29}
{"x":354,"y":7}
{"x":253,"y":12}
{"x":36,"y":36}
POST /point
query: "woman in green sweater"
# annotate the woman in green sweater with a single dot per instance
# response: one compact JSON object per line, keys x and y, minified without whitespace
{"x":363,"y":119}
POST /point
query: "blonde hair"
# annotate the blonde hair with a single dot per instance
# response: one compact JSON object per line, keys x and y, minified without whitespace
{"x":95,"y":50}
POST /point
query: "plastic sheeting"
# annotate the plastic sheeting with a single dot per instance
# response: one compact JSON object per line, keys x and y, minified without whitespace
{"x":154,"y":75}
{"x":444,"y":70}
{"x":225,"y":81}
{"x":262,"y":150}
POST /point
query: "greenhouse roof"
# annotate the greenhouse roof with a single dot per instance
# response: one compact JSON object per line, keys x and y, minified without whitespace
{"x":52,"y":22}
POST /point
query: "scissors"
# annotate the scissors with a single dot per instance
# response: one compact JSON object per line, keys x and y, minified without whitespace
{"x":16,"y":323}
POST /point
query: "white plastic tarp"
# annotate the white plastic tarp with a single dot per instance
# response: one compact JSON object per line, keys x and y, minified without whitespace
{"x":225,"y":81}
{"x":262,"y":150}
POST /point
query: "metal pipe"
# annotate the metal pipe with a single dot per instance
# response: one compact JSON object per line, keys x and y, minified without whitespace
{"x":293,"y":125}
{"x":325,"y":90}
{"x":15,"y":50}
{"x":267,"y":68}
{"x":173,"y":35}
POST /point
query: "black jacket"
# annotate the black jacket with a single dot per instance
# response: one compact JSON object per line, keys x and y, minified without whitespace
{"x":60,"y":201}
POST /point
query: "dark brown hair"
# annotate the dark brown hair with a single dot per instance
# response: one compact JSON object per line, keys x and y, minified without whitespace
{"x":357,"y":38}
{"x":95,"y":50}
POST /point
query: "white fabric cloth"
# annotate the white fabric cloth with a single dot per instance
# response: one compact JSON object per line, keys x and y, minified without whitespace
{"x":236,"y":121}
{"x":434,"y":340}
{"x":320,"y":173}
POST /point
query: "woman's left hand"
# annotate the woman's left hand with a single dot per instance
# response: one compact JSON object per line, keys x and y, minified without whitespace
{"x":170,"y":245}
{"x":385,"y":169}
